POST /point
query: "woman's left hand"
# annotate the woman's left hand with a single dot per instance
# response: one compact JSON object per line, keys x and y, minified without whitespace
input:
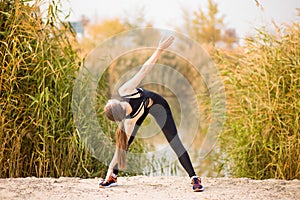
{"x":163,"y":44}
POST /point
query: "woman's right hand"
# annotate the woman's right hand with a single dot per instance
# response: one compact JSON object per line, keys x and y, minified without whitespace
{"x":163,"y":44}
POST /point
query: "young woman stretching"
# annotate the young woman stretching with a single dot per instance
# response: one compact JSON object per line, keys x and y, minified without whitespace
{"x":131,"y":111}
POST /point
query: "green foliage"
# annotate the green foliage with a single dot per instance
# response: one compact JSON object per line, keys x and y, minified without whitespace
{"x":38,"y":68}
{"x":208,"y":27}
{"x":262,"y":133}
{"x":38,"y":65}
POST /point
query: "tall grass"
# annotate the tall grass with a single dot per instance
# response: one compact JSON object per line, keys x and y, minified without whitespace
{"x":262,"y":133}
{"x":38,"y":65}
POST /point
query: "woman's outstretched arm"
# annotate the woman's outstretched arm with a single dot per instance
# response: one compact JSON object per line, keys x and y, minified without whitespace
{"x":130,"y":86}
{"x":129,"y":126}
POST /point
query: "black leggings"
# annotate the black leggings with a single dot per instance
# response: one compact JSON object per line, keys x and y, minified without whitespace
{"x":161,"y":111}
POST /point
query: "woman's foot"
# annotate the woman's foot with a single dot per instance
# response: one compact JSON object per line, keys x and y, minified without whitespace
{"x":111,"y":182}
{"x":196,"y":182}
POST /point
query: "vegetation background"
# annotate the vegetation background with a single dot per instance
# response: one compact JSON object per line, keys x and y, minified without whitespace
{"x":40,"y":55}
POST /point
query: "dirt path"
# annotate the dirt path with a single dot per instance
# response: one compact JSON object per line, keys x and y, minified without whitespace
{"x":148,"y":188}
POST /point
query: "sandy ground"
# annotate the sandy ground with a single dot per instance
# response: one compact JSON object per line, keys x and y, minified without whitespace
{"x":148,"y":188}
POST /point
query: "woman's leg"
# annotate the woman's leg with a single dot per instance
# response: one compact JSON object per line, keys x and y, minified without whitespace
{"x":163,"y":116}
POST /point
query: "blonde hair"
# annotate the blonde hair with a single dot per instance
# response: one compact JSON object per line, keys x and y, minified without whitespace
{"x":115,"y":112}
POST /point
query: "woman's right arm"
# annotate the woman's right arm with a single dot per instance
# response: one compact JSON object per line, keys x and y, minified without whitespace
{"x":129,"y":126}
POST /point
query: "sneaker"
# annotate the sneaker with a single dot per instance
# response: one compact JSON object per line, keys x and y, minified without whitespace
{"x":196,"y":182}
{"x":111,"y":182}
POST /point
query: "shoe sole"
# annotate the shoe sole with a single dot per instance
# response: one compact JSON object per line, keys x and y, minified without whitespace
{"x":111,"y":185}
{"x":198,"y":190}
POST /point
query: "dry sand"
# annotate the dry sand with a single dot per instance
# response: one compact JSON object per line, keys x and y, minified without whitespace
{"x":144,"y":188}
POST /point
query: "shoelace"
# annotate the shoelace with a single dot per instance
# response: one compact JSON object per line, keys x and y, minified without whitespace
{"x":111,"y":179}
{"x":196,"y":181}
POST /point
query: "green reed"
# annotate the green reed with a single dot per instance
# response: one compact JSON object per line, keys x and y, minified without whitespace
{"x":261,"y":137}
{"x":38,"y":65}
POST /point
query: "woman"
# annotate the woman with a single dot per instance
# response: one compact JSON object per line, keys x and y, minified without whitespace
{"x":131,"y":111}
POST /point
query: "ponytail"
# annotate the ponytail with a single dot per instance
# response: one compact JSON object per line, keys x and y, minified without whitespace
{"x":115,"y":112}
{"x":121,"y":146}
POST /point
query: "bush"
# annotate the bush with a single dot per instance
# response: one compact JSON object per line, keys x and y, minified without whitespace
{"x":262,"y":134}
{"x":38,"y":65}
{"x":38,"y":68}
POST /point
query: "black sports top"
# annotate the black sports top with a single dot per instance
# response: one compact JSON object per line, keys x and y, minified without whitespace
{"x":137,"y":103}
